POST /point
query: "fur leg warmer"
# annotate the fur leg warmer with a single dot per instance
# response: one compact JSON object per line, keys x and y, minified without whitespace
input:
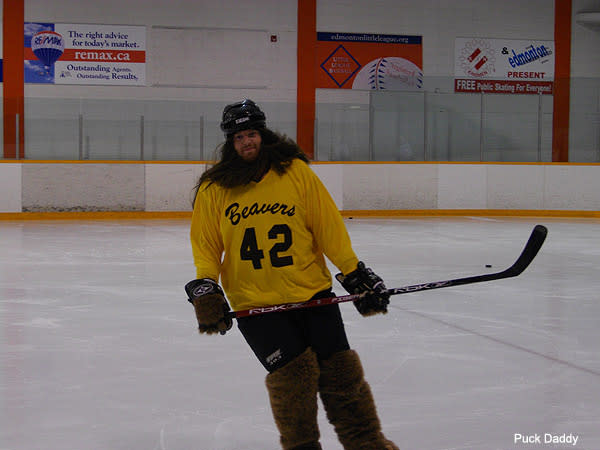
{"x":293,"y":396}
{"x":349,"y":403}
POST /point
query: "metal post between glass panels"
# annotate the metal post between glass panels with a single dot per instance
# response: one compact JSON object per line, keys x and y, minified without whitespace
{"x":17,"y":140}
{"x":597,"y":122}
{"x":539,"y":136}
{"x":316,"y":140}
{"x":80,"y":136}
{"x":142,"y":137}
{"x":425,"y":133}
{"x":371,"y":125}
{"x":201,"y":138}
{"x":481,"y":129}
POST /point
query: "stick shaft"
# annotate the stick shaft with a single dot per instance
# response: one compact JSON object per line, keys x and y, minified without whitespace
{"x":536,"y":239}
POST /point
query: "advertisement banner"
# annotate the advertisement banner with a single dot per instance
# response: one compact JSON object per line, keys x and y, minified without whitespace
{"x":369,"y":61}
{"x":62,"y":53}
{"x":505,"y":66}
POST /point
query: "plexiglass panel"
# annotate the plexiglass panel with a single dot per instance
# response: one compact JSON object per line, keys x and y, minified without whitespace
{"x":115,"y":129}
{"x":435,"y":126}
{"x":453,"y":127}
{"x":397,"y":126}
{"x":342,"y":132}
{"x":350,"y":126}
{"x":584,"y":133}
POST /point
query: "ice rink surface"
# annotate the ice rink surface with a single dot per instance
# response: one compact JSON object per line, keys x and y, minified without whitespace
{"x":99,"y":349}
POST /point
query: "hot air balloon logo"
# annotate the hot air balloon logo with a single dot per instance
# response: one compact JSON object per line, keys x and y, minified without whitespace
{"x":47,"y":46}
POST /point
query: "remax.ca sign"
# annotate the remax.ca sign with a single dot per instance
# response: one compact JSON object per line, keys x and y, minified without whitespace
{"x":506,"y":66}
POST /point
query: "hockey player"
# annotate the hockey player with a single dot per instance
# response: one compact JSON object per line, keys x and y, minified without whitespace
{"x":262,"y":224}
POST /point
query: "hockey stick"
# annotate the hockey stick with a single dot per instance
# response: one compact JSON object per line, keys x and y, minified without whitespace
{"x":538,"y":235}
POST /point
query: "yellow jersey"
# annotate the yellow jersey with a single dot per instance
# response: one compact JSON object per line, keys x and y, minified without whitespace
{"x":266,"y":240}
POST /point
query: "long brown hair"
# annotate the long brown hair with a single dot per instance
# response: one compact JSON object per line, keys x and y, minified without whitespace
{"x":277,"y":151}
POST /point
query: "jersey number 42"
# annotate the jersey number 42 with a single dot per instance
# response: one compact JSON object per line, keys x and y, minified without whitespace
{"x":249,"y":250}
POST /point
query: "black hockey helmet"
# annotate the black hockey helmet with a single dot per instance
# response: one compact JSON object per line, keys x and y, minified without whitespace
{"x":244,"y":115}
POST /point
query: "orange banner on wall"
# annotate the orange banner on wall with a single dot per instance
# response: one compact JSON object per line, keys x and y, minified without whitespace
{"x":369,"y":61}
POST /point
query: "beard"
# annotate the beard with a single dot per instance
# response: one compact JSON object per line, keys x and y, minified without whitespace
{"x":253,"y":170}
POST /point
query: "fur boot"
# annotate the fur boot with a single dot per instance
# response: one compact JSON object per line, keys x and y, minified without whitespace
{"x":349,"y":403}
{"x":293,"y":396}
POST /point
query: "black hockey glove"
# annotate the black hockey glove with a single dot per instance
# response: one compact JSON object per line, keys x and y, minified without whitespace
{"x":364,"y":281}
{"x":210,"y":306}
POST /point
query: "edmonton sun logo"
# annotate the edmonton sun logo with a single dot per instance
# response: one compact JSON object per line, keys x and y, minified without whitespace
{"x":477,"y":58}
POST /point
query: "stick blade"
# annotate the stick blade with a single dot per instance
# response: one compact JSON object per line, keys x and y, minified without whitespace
{"x":534,"y":243}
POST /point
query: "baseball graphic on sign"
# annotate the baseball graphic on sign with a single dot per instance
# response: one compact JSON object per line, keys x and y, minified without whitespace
{"x":390,"y":73}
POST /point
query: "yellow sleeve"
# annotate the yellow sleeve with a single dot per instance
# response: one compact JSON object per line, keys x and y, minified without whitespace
{"x":207,"y":245}
{"x":327,"y":225}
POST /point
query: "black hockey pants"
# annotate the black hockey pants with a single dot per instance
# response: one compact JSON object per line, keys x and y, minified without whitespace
{"x":277,"y":338}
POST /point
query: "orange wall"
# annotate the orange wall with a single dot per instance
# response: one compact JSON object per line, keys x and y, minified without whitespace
{"x":562,"y":80}
{"x":305,"y":107}
{"x":13,"y":89}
